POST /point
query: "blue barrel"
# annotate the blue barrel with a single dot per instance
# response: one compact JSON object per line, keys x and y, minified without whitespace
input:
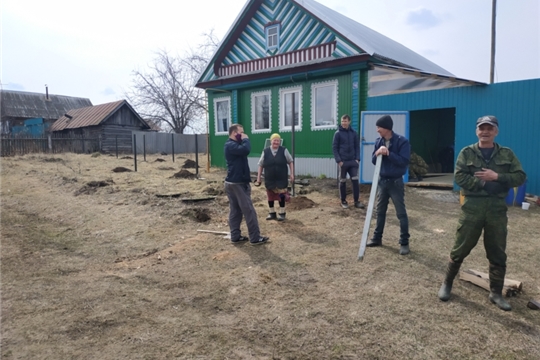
{"x":516,"y":195}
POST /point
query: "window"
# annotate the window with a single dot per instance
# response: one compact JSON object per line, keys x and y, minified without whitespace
{"x":222,"y":115}
{"x":272,"y":37}
{"x":260,"y":112}
{"x":290,"y":107}
{"x":324,"y":105}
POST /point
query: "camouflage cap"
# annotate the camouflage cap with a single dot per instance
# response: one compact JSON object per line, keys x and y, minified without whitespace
{"x":487,"y":119}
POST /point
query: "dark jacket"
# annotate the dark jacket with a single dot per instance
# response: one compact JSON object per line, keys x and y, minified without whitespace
{"x":503,"y":161}
{"x":346,"y":145}
{"x":395,"y":164}
{"x":237,"y":162}
{"x":275,"y":169}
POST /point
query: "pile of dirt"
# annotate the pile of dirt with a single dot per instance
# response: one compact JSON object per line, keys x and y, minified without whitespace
{"x":120,"y":169}
{"x":211,"y":190}
{"x":127,"y":157}
{"x":184,"y":174}
{"x":300,"y":202}
{"x":189,"y":164}
{"x":159,"y":160}
{"x":92,"y":186}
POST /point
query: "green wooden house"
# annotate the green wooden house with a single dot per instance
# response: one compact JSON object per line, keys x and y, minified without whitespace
{"x":294,"y":67}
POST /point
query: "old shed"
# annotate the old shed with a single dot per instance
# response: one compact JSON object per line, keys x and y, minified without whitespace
{"x":112,"y":122}
{"x":31,"y":113}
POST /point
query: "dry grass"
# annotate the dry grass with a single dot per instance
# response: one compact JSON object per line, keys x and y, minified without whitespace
{"x":95,"y":265}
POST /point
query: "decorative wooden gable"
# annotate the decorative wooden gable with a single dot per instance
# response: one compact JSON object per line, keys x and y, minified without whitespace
{"x":302,"y":39}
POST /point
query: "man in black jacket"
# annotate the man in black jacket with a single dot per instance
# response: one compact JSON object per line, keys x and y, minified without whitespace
{"x":238,"y":187}
{"x":396,"y":153}
{"x":346,"y":148}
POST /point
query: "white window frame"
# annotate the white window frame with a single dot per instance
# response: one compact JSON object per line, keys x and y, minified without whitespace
{"x":274,"y":37}
{"x":254,"y":95}
{"x":334,"y":109}
{"x":229,"y":120}
{"x":282,"y":93}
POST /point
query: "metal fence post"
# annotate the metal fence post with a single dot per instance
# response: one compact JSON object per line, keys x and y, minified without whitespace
{"x":144,"y":146}
{"x":172,"y":137}
{"x":196,"y":155}
{"x":135,"y":151}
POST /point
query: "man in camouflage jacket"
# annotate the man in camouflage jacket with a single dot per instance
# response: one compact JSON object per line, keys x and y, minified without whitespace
{"x":485,"y":171}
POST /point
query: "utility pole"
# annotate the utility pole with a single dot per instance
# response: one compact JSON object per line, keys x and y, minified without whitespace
{"x":493,"y":29}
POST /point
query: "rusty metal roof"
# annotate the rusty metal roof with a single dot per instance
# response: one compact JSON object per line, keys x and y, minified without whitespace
{"x":22,"y":104}
{"x":92,"y":116}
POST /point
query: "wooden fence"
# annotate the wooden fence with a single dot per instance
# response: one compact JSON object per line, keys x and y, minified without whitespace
{"x":11,"y":146}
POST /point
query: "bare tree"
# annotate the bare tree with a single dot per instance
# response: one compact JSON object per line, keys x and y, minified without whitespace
{"x":166,"y":92}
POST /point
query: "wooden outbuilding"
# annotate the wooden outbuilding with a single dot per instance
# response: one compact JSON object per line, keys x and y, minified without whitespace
{"x":112,"y":122}
{"x":29,"y":113}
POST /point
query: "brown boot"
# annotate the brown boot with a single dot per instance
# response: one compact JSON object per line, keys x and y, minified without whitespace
{"x":496,"y":283}
{"x":446,"y":287}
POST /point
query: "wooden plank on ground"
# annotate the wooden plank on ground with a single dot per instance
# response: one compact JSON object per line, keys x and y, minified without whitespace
{"x":534,"y":304}
{"x":169,"y":195}
{"x":510,"y":288}
{"x":198,"y":199}
{"x":214,"y":232}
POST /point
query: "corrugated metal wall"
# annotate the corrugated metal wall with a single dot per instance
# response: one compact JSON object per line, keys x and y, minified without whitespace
{"x":163,"y":142}
{"x":516,"y":105}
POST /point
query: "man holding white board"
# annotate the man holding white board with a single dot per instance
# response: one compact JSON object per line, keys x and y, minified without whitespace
{"x":396,"y":152}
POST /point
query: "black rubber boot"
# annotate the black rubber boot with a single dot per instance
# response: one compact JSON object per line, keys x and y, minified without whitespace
{"x":446,"y":287}
{"x":496,"y":283}
{"x":271,"y":216}
{"x":281,"y":217}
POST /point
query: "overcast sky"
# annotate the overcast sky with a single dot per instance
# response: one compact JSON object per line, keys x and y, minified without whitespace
{"x":89,"y":49}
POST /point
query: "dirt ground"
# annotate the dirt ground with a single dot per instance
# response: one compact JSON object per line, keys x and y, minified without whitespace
{"x":104,"y":264}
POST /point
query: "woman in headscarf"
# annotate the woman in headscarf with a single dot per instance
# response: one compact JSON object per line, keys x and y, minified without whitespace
{"x":274,"y":161}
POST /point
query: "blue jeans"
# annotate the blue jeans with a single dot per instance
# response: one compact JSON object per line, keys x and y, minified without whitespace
{"x":392,"y":189}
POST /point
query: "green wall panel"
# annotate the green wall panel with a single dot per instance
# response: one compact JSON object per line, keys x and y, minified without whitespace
{"x":308,"y":143}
